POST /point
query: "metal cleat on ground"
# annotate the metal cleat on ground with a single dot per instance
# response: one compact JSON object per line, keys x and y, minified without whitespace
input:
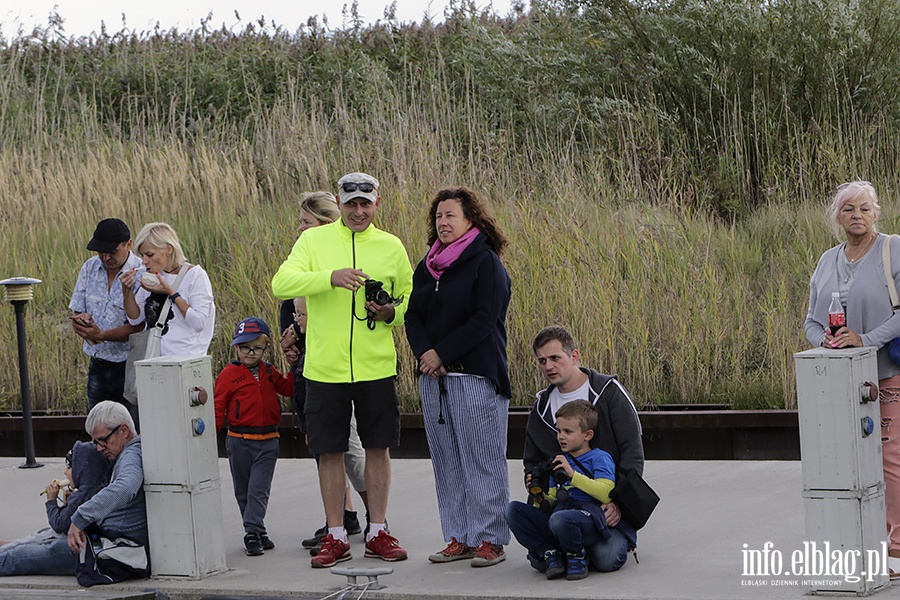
{"x":370,"y":573}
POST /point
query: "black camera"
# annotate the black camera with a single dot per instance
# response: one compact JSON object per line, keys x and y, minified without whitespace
{"x":376,"y":293}
{"x":540,"y":483}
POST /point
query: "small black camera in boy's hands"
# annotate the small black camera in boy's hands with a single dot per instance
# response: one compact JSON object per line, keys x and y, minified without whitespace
{"x":376,"y":293}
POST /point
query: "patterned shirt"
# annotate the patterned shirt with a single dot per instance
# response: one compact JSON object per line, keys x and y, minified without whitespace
{"x":104,"y":303}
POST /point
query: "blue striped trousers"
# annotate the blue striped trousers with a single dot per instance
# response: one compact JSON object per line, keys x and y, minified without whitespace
{"x":468,"y":453}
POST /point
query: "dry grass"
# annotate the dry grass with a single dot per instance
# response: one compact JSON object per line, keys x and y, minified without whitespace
{"x":673,"y":230}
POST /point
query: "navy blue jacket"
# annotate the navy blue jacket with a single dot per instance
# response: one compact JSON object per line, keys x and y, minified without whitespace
{"x":463,"y":316}
{"x":90,"y":473}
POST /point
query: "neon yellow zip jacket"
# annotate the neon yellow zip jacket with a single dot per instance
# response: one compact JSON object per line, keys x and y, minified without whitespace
{"x":340,"y":348}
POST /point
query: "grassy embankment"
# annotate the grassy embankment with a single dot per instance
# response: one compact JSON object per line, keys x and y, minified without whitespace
{"x":662,"y":174}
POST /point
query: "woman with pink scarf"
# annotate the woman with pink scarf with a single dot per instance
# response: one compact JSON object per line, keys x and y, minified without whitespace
{"x":456,"y":326}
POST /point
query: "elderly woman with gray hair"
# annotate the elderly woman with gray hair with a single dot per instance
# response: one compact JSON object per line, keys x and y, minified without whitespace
{"x":854,"y":270}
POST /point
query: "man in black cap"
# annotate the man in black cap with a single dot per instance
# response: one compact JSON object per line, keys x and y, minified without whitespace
{"x":99,"y":312}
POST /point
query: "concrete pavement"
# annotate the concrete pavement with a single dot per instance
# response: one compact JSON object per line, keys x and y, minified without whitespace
{"x":691,"y":549}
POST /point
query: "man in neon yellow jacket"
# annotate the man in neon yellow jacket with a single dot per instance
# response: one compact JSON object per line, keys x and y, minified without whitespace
{"x":351,"y":360}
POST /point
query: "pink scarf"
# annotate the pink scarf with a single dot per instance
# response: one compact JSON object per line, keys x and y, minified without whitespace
{"x":442,"y":255}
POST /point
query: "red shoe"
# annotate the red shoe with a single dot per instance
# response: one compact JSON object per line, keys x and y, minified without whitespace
{"x":454,"y":551}
{"x":332,"y":551}
{"x":385,"y":547}
{"x":488,"y":554}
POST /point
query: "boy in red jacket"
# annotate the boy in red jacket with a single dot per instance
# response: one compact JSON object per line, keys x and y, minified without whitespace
{"x":246,"y":397}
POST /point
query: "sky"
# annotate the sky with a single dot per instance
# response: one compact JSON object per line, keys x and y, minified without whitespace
{"x":82,"y":17}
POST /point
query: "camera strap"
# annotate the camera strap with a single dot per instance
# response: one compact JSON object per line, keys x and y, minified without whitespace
{"x":370,"y":316}
{"x":580,"y":466}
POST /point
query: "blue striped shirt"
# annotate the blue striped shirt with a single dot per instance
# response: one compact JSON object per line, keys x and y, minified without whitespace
{"x":120,"y":507}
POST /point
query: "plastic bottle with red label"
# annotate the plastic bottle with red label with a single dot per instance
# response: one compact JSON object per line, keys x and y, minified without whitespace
{"x":836,"y":316}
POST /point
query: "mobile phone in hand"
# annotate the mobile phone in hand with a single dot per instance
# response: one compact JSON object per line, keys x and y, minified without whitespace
{"x":83,"y":323}
{"x":79,"y":321}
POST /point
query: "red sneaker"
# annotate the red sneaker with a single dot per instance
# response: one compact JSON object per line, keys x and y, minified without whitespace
{"x":332,"y":551}
{"x":454,"y":551}
{"x":386,"y":547}
{"x":488,"y":554}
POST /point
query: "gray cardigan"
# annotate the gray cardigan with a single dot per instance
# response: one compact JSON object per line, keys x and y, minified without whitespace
{"x":869,"y":311}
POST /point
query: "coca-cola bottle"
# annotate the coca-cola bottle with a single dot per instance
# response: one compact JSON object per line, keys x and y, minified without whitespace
{"x":836,"y":316}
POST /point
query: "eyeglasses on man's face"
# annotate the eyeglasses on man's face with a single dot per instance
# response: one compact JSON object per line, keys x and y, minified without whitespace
{"x":251,"y":350}
{"x":103,"y":441}
{"x":362,"y":187}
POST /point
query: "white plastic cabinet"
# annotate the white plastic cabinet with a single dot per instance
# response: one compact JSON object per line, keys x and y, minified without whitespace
{"x":843,"y":479}
{"x":181,"y":466}
{"x":171,"y":414}
{"x":840,"y":422}
{"x":186,"y":536}
{"x":852,"y":524}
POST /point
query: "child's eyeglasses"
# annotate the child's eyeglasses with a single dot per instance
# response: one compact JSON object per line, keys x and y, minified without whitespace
{"x":69,"y":459}
{"x":363,"y":187}
{"x":254,"y":350}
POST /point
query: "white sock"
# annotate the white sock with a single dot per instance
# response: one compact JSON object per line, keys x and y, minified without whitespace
{"x":374,"y":528}
{"x":338,"y":533}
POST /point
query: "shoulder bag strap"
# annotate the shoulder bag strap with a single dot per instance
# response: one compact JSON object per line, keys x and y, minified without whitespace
{"x":888,"y":275}
{"x":160,"y":322}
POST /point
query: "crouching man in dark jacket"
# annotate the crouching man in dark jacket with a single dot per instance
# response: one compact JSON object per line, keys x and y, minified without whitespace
{"x":618,"y":432}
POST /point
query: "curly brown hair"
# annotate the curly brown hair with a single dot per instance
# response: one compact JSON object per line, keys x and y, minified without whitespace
{"x":475,"y":210}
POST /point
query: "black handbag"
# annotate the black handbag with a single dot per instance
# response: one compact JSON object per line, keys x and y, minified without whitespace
{"x":103,"y":560}
{"x":635,"y":499}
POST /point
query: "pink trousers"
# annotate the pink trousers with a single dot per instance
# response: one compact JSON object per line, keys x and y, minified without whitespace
{"x":890,"y":448}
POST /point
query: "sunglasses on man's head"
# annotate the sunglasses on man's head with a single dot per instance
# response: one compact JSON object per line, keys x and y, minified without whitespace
{"x":362,"y":187}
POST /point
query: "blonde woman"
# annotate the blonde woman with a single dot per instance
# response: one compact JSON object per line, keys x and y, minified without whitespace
{"x":190,"y":320}
{"x":316,"y":208}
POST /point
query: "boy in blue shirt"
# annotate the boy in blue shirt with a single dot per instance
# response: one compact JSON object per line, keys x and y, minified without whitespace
{"x":577,"y":518}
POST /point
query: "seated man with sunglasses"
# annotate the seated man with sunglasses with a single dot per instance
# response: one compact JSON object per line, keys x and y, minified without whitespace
{"x":351,"y":361}
{"x":118,"y":511}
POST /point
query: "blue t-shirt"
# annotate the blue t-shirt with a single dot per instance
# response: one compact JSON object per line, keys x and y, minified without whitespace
{"x":599,"y":465}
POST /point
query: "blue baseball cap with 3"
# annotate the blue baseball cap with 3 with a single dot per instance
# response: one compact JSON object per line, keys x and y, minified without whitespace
{"x":249,"y":329}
